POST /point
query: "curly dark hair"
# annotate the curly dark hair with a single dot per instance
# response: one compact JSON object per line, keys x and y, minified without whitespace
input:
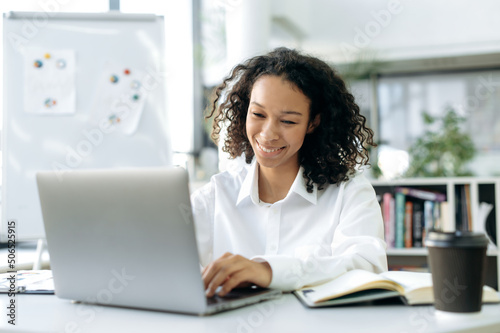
{"x":338,"y":144}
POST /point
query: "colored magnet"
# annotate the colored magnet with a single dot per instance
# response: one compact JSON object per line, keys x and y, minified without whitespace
{"x":47,"y":55}
{"x":136,"y":97}
{"x":49,"y":102}
{"x":61,"y":63}
{"x":38,"y":64}
{"x":126,"y":71}
{"x":135,"y":84}
{"x":113,"y":78}
{"x":113,"y":119}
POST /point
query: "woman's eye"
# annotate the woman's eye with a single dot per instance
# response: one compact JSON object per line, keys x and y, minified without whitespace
{"x":260,"y":115}
{"x":288,"y":122}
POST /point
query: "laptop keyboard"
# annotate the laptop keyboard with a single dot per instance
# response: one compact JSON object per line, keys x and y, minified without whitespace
{"x":235,"y":294}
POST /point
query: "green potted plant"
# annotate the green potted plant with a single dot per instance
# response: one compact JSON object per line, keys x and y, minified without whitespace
{"x":444,"y":152}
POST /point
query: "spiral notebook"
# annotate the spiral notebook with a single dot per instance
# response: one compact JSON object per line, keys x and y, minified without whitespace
{"x":27,"y":282}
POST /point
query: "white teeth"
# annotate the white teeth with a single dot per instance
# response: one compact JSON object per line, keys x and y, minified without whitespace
{"x":268,"y":150}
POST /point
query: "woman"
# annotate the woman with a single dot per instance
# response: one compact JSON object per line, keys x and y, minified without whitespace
{"x":299,"y":213}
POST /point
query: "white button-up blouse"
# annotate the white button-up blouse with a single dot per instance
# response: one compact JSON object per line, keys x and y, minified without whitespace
{"x":306,"y":237}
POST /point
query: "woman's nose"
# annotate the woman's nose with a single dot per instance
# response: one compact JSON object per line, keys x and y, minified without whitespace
{"x":269,"y":131}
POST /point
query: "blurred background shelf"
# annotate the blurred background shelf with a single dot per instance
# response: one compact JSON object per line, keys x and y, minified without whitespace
{"x":481,"y":191}
{"x":424,"y":252}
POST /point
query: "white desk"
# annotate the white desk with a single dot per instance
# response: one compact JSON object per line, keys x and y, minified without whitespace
{"x":25,"y":257}
{"x":47,"y":313}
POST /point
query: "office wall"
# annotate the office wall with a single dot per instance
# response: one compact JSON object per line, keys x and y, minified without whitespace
{"x":395,"y":29}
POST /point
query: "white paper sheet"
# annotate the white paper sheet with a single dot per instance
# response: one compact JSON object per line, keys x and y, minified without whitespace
{"x":49,"y":82}
{"x":119,"y":98}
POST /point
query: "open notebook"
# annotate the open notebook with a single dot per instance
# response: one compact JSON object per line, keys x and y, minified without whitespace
{"x":360,"y":286}
{"x":27,"y":282}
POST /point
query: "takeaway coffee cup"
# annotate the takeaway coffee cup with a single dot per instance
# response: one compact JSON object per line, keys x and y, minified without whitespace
{"x":458,"y":265}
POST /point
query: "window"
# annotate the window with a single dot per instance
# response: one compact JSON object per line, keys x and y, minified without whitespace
{"x":474,"y":95}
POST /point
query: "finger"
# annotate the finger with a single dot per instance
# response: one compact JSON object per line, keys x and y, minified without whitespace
{"x":222,"y":276}
{"x":244,"y":284}
{"x":235,"y":280}
{"x":207,"y":275}
{"x":217,"y":271}
{"x":209,"y":271}
{"x":219,"y":279}
{"x":253,"y":273}
{"x":250,"y":273}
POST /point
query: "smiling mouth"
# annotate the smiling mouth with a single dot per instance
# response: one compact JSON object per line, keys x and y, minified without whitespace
{"x":269,"y":150}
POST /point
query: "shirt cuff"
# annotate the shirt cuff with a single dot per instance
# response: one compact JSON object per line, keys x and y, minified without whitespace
{"x":287,"y":271}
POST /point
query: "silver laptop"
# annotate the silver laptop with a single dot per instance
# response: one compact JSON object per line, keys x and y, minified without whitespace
{"x":126,"y":237}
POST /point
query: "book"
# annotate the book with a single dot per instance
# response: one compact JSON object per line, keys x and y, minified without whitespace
{"x":408,"y":224}
{"x":436,"y":216}
{"x":418,"y":220}
{"x":462,"y":207}
{"x":27,"y":282}
{"x":428,"y":219}
{"x":421,"y":194}
{"x":468,"y":209}
{"x":355,"y":286}
{"x":399,"y":234}
{"x":388,"y":215}
{"x":410,"y":268}
{"x":447,"y":224}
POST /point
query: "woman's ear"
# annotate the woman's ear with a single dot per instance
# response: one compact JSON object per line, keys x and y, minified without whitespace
{"x":313,"y":124}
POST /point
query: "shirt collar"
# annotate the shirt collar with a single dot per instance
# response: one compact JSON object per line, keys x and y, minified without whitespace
{"x":299,"y":186}
{"x":250,"y":186}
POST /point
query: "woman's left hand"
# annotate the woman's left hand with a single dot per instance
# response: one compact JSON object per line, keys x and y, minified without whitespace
{"x":232,"y":270}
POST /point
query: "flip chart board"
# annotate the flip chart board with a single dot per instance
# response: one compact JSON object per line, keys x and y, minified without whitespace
{"x":80,"y":91}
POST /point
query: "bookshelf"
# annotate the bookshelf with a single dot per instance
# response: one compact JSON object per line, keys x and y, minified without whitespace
{"x":469,"y":209}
